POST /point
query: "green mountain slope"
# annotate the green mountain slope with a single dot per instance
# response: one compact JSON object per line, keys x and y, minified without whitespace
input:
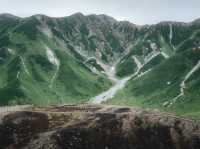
{"x":37,"y":69}
{"x":162,"y":87}
{"x":45,"y":60}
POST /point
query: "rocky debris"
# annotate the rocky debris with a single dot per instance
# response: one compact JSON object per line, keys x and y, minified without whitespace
{"x":97,"y":127}
{"x":18,"y":128}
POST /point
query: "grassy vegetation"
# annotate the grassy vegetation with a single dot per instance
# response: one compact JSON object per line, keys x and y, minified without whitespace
{"x":74,"y":83}
{"x":126,"y":67}
{"x":163,"y":84}
{"x":26,"y":75}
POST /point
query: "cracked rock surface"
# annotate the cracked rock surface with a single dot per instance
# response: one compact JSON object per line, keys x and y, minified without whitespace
{"x":96,"y":127}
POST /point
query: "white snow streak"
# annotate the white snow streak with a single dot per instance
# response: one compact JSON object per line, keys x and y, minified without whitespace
{"x":165,"y":55}
{"x":108,"y":69}
{"x":44,"y":28}
{"x":120,"y":84}
{"x":143,"y":73}
{"x":18,"y":73}
{"x":190,"y":73}
{"x":111,"y":92}
{"x":183,"y":85}
{"x":53,"y":59}
{"x":150,"y":56}
{"x":138,"y":63}
{"x":171,"y":35}
{"x":153,"y":46}
{"x":11,"y":51}
{"x":24,"y":65}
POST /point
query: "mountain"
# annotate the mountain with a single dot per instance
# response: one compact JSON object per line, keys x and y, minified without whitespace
{"x":40,"y":64}
{"x":167,"y":77}
{"x":46,"y":60}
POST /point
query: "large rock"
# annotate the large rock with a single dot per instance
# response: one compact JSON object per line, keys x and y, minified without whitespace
{"x":97,"y":127}
{"x":18,"y":128}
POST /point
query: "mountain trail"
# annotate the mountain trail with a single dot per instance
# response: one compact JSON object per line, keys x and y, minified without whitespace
{"x":165,"y":55}
{"x":138,"y":63}
{"x":183,"y":85}
{"x":151,"y":56}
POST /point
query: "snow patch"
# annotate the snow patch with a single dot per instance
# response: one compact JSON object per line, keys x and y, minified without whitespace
{"x":111,"y":92}
{"x":51,"y":57}
{"x":54,"y":60}
{"x":44,"y":28}
{"x":165,"y":55}
{"x":24,"y":65}
{"x":46,"y":31}
{"x":120,"y":84}
{"x":168,"y":83}
{"x":143,"y":73}
{"x":11,"y":51}
{"x":18,"y":73}
{"x":138,"y":63}
{"x":81,"y":51}
{"x":183,"y":85}
{"x":108,"y":69}
{"x":171,"y":35}
{"x":151,"y":56}
{"x":153,"y":46}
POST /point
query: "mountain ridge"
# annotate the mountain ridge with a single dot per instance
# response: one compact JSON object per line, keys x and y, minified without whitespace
{"x":102,"y":15}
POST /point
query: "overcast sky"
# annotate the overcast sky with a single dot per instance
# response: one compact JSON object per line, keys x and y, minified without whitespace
{"x":136,"y":11}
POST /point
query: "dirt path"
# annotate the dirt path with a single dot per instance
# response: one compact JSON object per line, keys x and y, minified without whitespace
{"x":183,"y":85}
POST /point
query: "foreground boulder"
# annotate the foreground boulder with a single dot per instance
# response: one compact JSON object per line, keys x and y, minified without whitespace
{"x":18,"y":128}
{"x":97,"y":127}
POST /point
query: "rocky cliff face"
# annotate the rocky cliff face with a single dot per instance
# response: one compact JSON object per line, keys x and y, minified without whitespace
{"x":96,"y":127}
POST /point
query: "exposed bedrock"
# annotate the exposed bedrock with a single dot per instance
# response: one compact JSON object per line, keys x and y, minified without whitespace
{"x":97,"y":127}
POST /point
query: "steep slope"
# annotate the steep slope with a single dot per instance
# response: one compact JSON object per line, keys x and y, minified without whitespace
{"x":171,"y":85}
{"x":75,"y":59}
{"x":38,"y":67}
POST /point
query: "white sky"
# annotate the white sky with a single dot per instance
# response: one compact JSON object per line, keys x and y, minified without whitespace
{"x":136,"y":11}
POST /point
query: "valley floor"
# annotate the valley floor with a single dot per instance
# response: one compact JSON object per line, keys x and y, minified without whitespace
{"x":110,"y":93}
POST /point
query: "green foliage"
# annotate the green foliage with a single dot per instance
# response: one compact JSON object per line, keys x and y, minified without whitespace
{"x":163,"y":84}
{"x":29,"y":28}
{"x":35,"y":80}
{"x":114,"y":43}
{"x":126,"y":68}
{"x":154,"y":62}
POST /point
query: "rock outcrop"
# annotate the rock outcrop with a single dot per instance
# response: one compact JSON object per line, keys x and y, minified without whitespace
{"x":97,"y":127}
